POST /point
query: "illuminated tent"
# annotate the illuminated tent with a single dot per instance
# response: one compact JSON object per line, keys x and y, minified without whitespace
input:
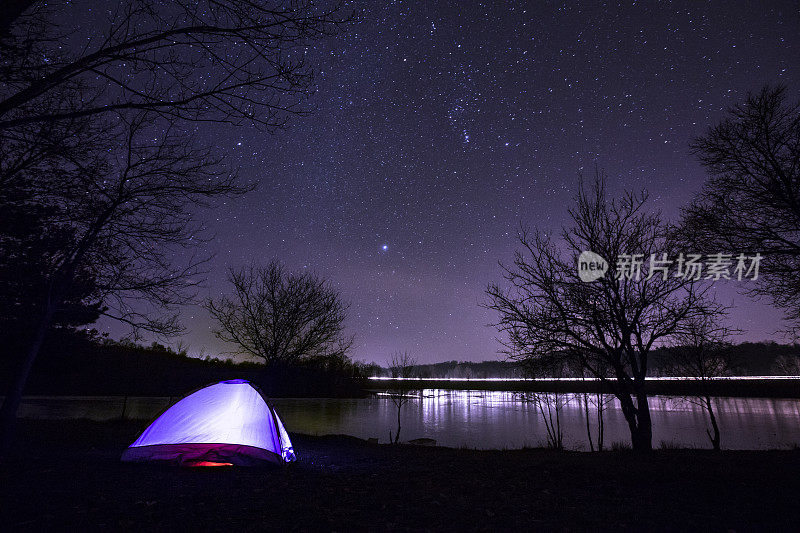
{"x":225,"y":423}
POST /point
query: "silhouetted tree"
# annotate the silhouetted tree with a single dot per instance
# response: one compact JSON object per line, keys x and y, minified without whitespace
{"x":210,"y":60}
{"x":29,"y":247}
{"x":596,"y":401}
{"x":549,"y":404}
{"x":700,"y":352}
{"x":751,"y":201}
{"x":401,"y":366}
{"x":128,"y":210}
{"x":70,"y":118}
{"x":599,"y":401}
{"x":280,"y":317}
{"x":608,"y":326}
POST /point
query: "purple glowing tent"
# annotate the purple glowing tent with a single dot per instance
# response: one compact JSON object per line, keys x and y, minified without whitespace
{"x":228,"y":423}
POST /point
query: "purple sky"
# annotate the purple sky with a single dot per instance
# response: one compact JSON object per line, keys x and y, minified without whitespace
{"x":440,"y":128}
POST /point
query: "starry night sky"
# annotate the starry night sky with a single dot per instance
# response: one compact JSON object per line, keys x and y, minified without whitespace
{"x":438,"y":129}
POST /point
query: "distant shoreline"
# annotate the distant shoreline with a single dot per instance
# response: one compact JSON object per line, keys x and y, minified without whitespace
{"x":735,"y":386}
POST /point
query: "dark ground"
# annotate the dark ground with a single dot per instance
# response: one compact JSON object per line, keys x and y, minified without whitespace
{"x":55,"y":481}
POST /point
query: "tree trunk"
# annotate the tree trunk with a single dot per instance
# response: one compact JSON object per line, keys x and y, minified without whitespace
{"x":588,"y":424}
{"x":11,"y":403}
{"x":397,"y":435}
{"x":642,"y":440}
{"x":629,"y":412}
{"x":715,"y":438}
{"x":638,"y":418}
{"x":600,"y":422}
{"x":559,"y":433}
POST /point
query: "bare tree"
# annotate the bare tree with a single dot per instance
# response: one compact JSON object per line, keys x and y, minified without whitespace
{"x":129,"y":207}
{"x":599,"y":401}
{"x":548,"y":404}
{"x":210,"y":60}
{"x":402,"y":367}
{"x":611,"y":323}
{"x":281,"y":317}
{"x":751,"y":201}
{"x":72,"y":116}
{"x":699,"y":352}
{"x":594,"y":402}
{"x":213,"y":61}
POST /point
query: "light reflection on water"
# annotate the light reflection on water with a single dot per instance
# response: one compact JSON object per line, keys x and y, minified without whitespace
{"x":479,"y":419}
{"x":490,"y":419}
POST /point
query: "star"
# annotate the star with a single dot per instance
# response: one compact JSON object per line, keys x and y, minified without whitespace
{"x":458,"y":147}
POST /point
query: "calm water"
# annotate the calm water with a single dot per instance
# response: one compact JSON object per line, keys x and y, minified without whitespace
{"x":485,"y":419}
{"x":482,"y":419}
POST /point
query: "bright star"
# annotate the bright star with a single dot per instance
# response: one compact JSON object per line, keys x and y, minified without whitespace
{"x":385,"y":247}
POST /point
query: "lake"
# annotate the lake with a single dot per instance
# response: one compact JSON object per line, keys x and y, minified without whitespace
{"x":481,"y":419}
{"x":497,"y":420}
